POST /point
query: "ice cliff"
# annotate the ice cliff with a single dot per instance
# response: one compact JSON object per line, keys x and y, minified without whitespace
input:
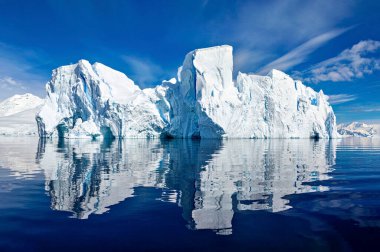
{"x":88,"y":101}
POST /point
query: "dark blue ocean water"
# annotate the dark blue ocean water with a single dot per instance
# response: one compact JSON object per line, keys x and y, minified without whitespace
{"x":181,"y":195}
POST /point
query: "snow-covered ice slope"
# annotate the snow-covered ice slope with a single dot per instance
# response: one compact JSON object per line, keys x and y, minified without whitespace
{"x":17,"y":115}
{"x":85,"y":100}
{"x":359,"y":129}
{"x":19,"y":103}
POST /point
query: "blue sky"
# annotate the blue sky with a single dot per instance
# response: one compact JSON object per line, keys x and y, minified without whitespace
{"x":330,"y":45}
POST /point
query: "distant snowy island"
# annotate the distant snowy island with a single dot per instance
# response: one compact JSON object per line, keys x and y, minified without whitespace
{"x":204,"y":101}
{"x":358,"y":129}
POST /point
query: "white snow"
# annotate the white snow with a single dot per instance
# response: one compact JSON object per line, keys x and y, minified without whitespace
{"x":88,"y":101}
{"x":17,"y":115}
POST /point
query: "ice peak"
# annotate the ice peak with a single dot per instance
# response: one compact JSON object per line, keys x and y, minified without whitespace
{"x":274,"y":73}
{"x":84,"y":62}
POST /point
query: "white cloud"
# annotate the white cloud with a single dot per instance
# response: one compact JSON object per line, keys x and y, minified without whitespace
{"x":341,"y":98}
{"x":144,"y":71}
{"x":359,"y":60}
{"x":300,"y":53}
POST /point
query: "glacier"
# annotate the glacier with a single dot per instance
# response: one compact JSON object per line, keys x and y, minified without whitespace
{"x":17,"y":115}
{"x":204,"y":101}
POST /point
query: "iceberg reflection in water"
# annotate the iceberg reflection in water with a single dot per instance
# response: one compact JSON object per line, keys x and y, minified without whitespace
{"x":209,"y":179}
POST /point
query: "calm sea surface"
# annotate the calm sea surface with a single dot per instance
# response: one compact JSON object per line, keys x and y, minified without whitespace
{"x":180,"y":195}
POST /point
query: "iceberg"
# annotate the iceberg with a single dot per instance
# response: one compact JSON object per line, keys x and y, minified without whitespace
{"x":17,"y":115}
{"x":90,"y":101}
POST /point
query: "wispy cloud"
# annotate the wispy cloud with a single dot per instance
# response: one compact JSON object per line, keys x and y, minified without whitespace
{"x":143,"y":71}
{"x":300,"y":53}
{"x":263,"y":31}
{"x":368,"y":109}
{"x":352,"y":63}
{"x":356,"y":107}
{"x":204,"y":3}
{"x":341,"y":98}
{"x":17,"y":72}
{"x":374,"y":109}
{"x":8,"y":83}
